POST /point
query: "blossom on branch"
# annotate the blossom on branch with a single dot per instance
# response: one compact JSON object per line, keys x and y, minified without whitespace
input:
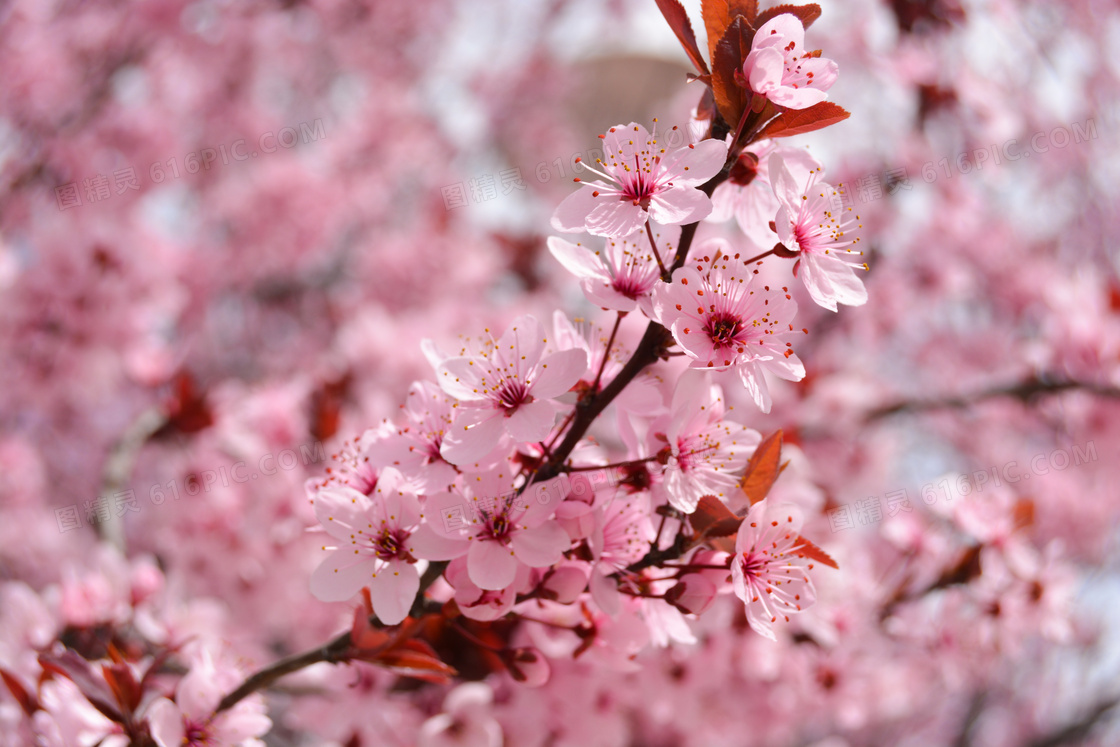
{"x":768,"y":572}
{"x":505,"y":390}
{"x":813,"y":223}
{"x":724,"y":320}
{"x":641,"y":180}
{"x":779,"y":67}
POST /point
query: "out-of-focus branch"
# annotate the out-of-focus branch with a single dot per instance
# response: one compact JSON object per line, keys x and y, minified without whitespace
{"x":1076,"y":732}
{"x":649,"y":350}
{"x":1024,"y":391}
{"x":118,"y":470}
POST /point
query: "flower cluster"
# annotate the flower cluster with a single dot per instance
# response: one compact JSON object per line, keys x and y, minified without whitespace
{"x":483,"y":483}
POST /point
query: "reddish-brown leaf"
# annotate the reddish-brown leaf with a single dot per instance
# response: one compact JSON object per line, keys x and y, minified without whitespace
{"x":807,"y":13}
{"x":125,"y":688}
{"x":187,"y":410}
{"x":677,"y":19}
{"x":415,"y":664}
{"x":816,"y":117}
{"x":713,"y":519}
{"x":717,"y":17}
{"x":1023,"y":513}
{"x":809,"y":550}
{"x":727,"y":60}
{"x":72,"y":666}
{"x":746,"y":8}
{"x":25,"y":699}
{"x":763,"y":468}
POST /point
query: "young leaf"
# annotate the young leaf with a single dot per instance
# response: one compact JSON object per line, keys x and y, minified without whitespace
{"x":796,"y":122}
{"x":763,"y":468}
{"x":727,"y":59}
{"x":717,"y":17}
{"x":807,"y":13}
{"x":677,"y":19}
{"x":25,"y":699}
{"x":809,"y":550}
{"x":713,"y":519}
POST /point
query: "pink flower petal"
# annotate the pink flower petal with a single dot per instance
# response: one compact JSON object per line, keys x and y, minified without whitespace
{"x":694,"y":166}
{"x":788,"y":192}
{"x":751,"y":376}
{"x":342,"y":575}
{"x":797,"y":98}
{"x":616,"y":216}
{"x":521,"y":344}
{"x":165,"y":723}
{"x":558,"y":373}
{"x":340,"y":509}
{"x":784,"y":25}
{"x":571,"y":214}
{"x":473,"y":435}
{"x":428,"y":544}
{"x":393,"y":591}
{"x":831,"y":281}
{"x":542,"y":546}
{"x":578,"y":260}
{"x":679,"y":204}
{"x":763,"y":69}
{"x":531,"y":422}
{"x":460,"y":377}
{"x":491,"y":565}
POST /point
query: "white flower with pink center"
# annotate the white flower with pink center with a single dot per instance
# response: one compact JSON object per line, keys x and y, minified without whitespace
{"x":706,"y":451}
{"x":781,"y":69}
{"x":768,"y":571}
{"x":622,"y":274}
{"x":721,"y":319}
{"x":506,"y":391}
{"x":505,"y":529}
{"x":414,"y":448}
{"x":813,"y":223}
{"x":379,"y":539}
{"x":640,"y":180}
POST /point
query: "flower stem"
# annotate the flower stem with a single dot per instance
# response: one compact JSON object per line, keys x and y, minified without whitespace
{"x":610,"y":343}
{"x":656,"y":254}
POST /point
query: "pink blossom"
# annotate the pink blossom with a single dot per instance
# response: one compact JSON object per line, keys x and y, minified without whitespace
{"x":643,"y":181}
{"x":812,"y":222}
{"x":767,"y":572}
{"x":380,"y":538}
{"x":466,"y":720}
{"x":781,"y":69}
{"x":506,"y":529}
{"x":640,"y":396}
{"x":706,"y":450}
{"x":190,"y":721}
{"x":722,"y":319}
{"x":505,"y":389}
{"x":414,"y":448}
{"x":748,"y":195}
{"x":622,"y":274}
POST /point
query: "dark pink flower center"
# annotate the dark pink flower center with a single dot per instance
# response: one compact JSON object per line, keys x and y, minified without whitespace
{"x":723,"y":328}
{"x":389,"y":545}
{"x":638,"y":186}
{"x":498,"y":526}
{"x":513,"y":394}
{"x":196,"y":734}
